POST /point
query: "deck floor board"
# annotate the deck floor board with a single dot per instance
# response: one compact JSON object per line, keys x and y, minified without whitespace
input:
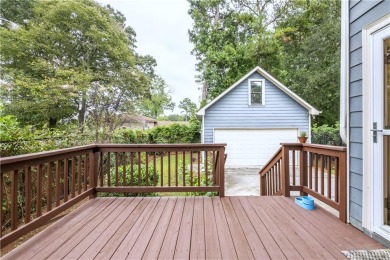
{"x":196,"y":228}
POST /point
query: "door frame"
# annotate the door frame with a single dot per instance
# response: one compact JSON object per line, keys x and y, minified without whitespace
{"x":369,"y":221}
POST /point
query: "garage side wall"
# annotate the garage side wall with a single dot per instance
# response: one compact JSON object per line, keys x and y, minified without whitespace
{"x":233,"y":111}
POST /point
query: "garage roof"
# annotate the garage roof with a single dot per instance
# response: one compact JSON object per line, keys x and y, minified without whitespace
{"x":277,"y":83}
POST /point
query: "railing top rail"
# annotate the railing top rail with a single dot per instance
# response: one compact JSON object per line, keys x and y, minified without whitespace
{"x":278,"y":153}
{"x":160,"y":145}
{"x":326,"y":147}
{"x":317,"y":146}
{"x":59,"y":152}
{"x":32,"y":156}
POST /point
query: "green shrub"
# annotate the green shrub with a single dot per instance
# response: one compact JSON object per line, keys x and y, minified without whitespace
{"x":326,"y":135}
{"x":175,"y":133}
{"x":132,"y":182}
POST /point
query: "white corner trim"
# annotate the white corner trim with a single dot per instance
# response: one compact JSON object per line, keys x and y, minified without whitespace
{"x":310,"y":108}
{"x":367,"y":70}
{"x":202,"y":133}
{"x":262,"y":91}
{"x":344,"y":87}
{"x":344,"y":69}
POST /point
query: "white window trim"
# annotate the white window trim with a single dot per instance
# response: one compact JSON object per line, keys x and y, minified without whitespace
{"x":262,"y":92}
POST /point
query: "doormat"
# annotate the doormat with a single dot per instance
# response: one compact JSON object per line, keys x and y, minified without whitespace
{"x":378,"y":254}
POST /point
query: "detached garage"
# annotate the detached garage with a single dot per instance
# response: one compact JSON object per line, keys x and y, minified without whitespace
{"x":253,"y":117}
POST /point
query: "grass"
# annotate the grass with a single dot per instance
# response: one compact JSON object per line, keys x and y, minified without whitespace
{"x":172,"y":162}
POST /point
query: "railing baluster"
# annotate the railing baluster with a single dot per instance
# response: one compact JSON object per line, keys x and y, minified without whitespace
{"x":293,"y":166}
{"x":206,"y":168}
{"x":92,"y":171}
{"x":329,"y":177}
{"x":49,"y":185}
{"x":311,"y":170}
{"x":162,"y":168}
{"x":199,"y":169}
{"x":336,"y":178}
{"x":316,"y":172}
{"x":72,"y":178}
{"x":14,"y":199}
{"x":117,"y":168}
{"x":58,"y":190}
{"x":39,"y":190}
{"x":124,"y":169}
{"x":85,"y":172}
{"x":66,"y":179}
{"x":278,"y":174}
{"x":176,"y":169}
{"x":213,"y":168}
{"x":147,"y":169}
{"x":131,"y":168}
{"x":268,"y":184}
{"x":191,"y":170}
{"x":273,"y":180}
{"x":27,"y":195}
{"x":184,"y":168}
{"x":108,"y":169}
{"x":79,"y":174}
{"x":101,"y":169}
{"x":322,"y":174}
{"x":154,"y":170}
{"x":303,"y":171}
{"x":169,"y":169}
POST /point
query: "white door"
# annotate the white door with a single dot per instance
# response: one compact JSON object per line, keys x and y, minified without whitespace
{"x":380,"y":114}
{"x":252,"y":147}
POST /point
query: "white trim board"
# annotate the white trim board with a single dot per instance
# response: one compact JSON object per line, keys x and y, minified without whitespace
{"x":344,"y":87}
{"x":367,"y":71}
{"x":310,"y":108}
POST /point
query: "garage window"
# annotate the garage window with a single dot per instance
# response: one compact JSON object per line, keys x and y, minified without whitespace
{"x":256,"y":92}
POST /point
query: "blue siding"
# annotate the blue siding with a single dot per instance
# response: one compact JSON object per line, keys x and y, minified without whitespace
{"x":233,"y":111}
{"x":361,"y":14}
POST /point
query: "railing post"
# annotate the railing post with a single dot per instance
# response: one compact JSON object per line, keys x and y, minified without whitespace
{"x":303,"y":170}
{"x":285,"y":171}
{"x":262,"y":185}
{"x":343,"y":186}
{"x":221,"y":171}
{"x":92,"y":172}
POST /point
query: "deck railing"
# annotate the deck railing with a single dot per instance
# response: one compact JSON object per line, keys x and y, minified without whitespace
{"x":316,"y":170}
{"x":37,"y":187}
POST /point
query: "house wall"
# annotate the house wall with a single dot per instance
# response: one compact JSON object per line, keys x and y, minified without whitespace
{"x":361,"y":14}
{"x":233,"y":111}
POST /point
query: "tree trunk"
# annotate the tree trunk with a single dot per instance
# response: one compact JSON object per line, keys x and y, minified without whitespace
{"x":52,"y":122}
{"x":82,"y":111}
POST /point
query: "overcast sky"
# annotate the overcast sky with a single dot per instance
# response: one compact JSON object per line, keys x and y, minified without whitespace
{"x":162,"y":31}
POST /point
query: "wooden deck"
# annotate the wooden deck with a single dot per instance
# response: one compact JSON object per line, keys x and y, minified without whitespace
{"x":194,"y":227}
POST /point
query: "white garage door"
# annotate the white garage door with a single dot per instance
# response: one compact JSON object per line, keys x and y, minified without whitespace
{"x":252,"y":147}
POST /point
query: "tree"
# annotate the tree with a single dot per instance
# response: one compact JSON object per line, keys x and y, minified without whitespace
{"x":232,"y":37}
{"x":57,"y":56}
{"x":296,"y":41}
{"x":189,"y":108}
{"x":310,"y":56}
{"x":157,"y":100}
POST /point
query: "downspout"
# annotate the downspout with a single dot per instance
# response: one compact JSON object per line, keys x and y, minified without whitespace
{"x":344,"y":69}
